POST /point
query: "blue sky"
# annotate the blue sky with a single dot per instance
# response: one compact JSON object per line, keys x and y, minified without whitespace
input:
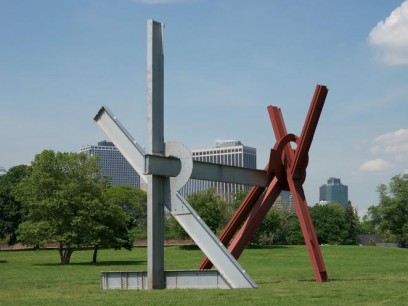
{"x":225,"y":61}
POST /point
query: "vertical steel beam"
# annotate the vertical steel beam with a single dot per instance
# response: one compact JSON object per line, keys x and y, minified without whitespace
{"x":155,"y":145}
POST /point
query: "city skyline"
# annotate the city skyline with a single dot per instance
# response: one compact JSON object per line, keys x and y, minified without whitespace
{"x":229,"y":152}
{"x":225,"y":61}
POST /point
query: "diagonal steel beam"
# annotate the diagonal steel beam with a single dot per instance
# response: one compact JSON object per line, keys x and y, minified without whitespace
{"x":238,"y":218}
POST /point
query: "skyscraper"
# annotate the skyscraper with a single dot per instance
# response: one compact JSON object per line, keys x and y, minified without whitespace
{"x":334,"y":191}
{"x":285,"y":201}
{"x":2,"y":170}
{"x":112,"y":163}
{"x":226,"y":152}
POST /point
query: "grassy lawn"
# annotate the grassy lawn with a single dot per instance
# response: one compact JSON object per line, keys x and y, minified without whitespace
{"x":359,"y":276}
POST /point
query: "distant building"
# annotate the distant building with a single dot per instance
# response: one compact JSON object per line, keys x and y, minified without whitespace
{"x":226,"y":152}
{"x":2,"y":170}
{"x":285,"y":202}
{"x":112,"y":163}
{"x":333,"y":191}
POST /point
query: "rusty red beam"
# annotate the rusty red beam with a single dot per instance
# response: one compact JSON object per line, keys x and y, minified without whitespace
{"x":260,"y":210}
{"x":248,"y":206}
{"x":254,"y":220}
{"x":306,"y":224}
{"x":252,"y":212}
{"x":295,"y":166}
{"x":238,"y":218}
{"x":309,"y":127}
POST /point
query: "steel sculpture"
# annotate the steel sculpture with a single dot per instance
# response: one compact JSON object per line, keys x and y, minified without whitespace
{"x":287,"y":169}
{"x":167,"y":166}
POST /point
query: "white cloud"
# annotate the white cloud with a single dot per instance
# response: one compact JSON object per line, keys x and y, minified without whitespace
{"x":394,"y":144}
{"x":390,"y":36}
{"x":375,"y":165}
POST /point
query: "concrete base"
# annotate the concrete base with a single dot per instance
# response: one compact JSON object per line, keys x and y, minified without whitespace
{"x":189,"y":279}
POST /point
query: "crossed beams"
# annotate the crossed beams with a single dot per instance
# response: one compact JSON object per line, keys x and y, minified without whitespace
{"x":287,"y":171}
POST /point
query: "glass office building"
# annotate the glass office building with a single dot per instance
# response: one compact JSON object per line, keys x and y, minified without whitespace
{"x":334,"y":191}
{"x":226,"y":152}
{"x":113,"y":165}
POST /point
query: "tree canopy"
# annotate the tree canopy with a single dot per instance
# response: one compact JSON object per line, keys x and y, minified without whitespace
{"x":133,"y":202}
{"x":390,"y":216}
{"x":65,"y":205}
{"x":335,"y":224}
{"x":209,"y":206}
{"x":11,"y":210}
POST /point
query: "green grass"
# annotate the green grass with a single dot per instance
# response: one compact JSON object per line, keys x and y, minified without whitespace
{"x":359,"y":276}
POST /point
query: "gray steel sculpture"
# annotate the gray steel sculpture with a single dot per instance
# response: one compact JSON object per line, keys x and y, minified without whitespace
{"x":166,"y":167}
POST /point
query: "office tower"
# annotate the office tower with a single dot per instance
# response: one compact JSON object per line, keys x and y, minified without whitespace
{"x":2,"y":170}
{"x":285,"y":202}
{"x":227,"y":152}
{"x":334,"y":191}
{"x":112,"y":163}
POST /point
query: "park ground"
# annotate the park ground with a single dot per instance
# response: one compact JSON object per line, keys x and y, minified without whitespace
{"x":358,"y":276}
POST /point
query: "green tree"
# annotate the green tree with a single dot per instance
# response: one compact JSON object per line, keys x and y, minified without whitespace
{"x":11,"y":210}
{"x":65,"y":204}
{"x":133,"y":201}
{"x":367,"y":226}
{"x":210,"y":207}
{"x":273,"y":229}
{"x":391,"y":214}
{"x":109,"y":227}
{"x":294,"y":234}
{"x":329,"y":223}
{"x":352,"y":225}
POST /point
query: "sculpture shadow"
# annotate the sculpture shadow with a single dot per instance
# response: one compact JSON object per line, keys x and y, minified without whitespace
{"x":189,"y":247}
{"x":254,"y":246}
{"x":100,"y":263}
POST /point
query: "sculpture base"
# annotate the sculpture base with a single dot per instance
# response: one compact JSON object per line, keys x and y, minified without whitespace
{"x":188,"y":279}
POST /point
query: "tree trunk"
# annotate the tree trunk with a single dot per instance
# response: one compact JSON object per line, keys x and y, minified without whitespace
{"x":65,"y":254}
{"x":61,"y":252}
{"x":95,"y":253}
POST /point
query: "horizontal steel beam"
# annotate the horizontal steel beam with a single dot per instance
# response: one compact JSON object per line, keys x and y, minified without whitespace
{"x":171,"y":166}
{"x":229,"y":174}
{"x":161,"y":165}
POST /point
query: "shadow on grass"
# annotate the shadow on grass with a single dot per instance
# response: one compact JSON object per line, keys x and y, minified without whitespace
{"x":100,"y":264}
{"x":256,"y":247}
{"x":189,"y":247}
{"x":3,"y":261}
{"x":312,"y":280}
{"x":339,"y":279}
{"x":260,"y":247}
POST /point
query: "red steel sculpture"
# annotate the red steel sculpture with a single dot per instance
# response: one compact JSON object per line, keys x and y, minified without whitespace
{"x":287,"y":171}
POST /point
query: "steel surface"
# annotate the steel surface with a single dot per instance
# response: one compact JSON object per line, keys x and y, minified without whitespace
{"x":168,"y":166}
{"x":155,"y":145}
{"x":195,"y":227}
